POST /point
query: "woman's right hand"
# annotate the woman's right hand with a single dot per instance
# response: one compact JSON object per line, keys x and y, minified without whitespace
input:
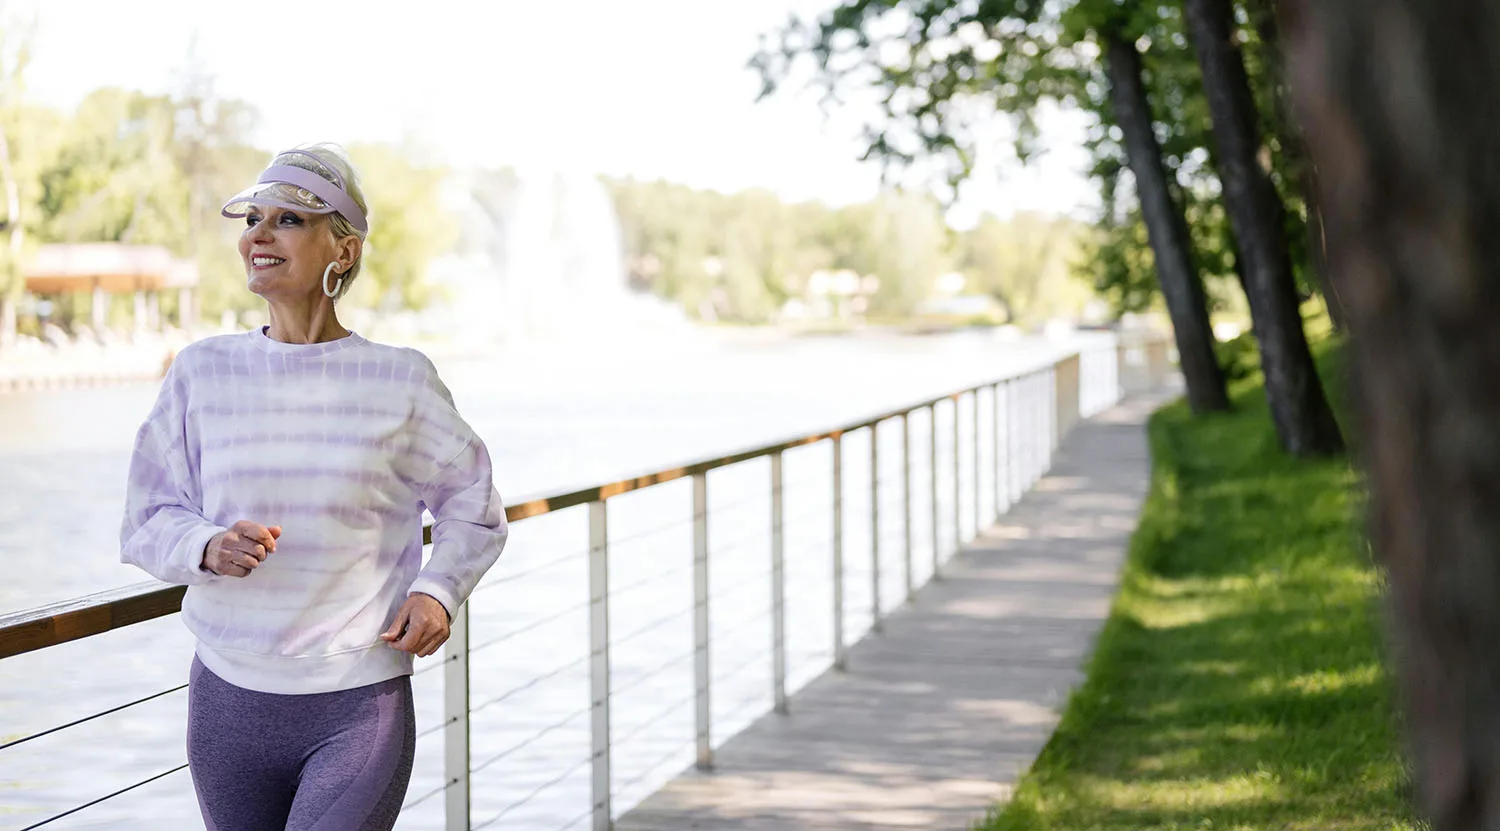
{"x":241,"y":549}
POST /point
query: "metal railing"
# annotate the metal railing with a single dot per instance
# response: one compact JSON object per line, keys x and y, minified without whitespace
{"x":1028,"y":415}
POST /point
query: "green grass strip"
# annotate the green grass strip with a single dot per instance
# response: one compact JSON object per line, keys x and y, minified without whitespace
{"x":1240,"y":681}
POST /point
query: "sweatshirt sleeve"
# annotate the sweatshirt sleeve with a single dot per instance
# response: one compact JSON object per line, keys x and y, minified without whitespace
{"x":164,"y":531}
{"x":469,"y":528}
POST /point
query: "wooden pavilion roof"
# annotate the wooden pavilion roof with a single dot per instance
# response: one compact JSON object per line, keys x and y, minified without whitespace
{"x":112,"y":266}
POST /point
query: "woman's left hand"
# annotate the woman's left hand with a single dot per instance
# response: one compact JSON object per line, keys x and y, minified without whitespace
{"x":425,"y":625}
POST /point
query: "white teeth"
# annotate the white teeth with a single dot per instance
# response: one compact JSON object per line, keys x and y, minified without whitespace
{"x":266,"y":260}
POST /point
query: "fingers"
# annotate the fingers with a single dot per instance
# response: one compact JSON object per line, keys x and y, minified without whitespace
{"x":230,"y":569}
{"x":235,"y":545}
{"x":230,"y":564}
{"x":241,"y":549}
{"x":397,"y":625}
{"x":437,"y":630}
{"x":433,"y":645}
{"x":235,"y":550}
{"x":249,"y":559}
{"x":428,"y":643}
{"x":416,"y":631}
{"x":254,"y":532}
{"x":416,"y":634}
{"x":434,"y":639}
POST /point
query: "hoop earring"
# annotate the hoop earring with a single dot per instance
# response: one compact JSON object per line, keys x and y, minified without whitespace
{"x":335,"y":291}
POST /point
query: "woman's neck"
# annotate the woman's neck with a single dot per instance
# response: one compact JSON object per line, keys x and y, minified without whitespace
{"x":316,"y":323}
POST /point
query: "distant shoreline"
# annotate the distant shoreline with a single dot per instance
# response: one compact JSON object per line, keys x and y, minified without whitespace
{"x":41,"y":383}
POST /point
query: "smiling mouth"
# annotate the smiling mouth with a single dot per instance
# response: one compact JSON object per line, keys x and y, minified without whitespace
{"x":265,"y":262}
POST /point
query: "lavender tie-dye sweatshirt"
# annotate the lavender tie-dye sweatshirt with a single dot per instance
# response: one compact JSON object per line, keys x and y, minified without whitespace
{"x":342,"y":444}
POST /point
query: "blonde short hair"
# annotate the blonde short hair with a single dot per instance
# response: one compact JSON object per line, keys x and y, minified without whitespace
{"x":330,"y":162}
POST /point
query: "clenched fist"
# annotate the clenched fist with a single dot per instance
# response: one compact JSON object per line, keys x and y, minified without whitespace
{"x":241,"y":549}
{"x":420,"y":627}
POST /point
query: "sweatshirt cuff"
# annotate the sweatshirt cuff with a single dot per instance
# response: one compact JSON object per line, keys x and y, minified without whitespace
{"x":438,"y":591}
{"x":189,"y":554}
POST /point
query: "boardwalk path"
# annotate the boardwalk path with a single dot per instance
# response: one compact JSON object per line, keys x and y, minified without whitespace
{"x":936,"y":718}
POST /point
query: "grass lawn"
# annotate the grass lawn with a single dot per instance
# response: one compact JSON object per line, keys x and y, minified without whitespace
{"x":1239,"y":682}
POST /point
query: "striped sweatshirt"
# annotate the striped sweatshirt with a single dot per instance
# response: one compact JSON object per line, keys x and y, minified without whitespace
{"x":343,"y":444}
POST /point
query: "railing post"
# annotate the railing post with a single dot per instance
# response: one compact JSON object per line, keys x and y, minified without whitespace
{"x":456,"y":801}
{"x":1074,"y":385}
{"x":875,"y":622}
{"x":1039,"y":411}
{"x":839,"y":658}
{"x":1049,"y":412}
{"x":1008,"y":463}
{"x":958,"y":493}
{"x":974,"y":400}
{"x":1044,"y":412}
{"x":933,"y":478}
{"x":1045,"y":427}
{"x":1116,"y":390}
{"x":906,"y":500}
{"x":1019,"y":411}
{"x":1023,"y":453}
{"x":1027,"y":444}
{"x":778,"y":587}
{"x":1030,"y":416}
{"x":995,"y":448}
{"x":1037,"y":439}
{"x":599,"y":699}
{"x":1052,"y":411}
{"x":704,"y":713}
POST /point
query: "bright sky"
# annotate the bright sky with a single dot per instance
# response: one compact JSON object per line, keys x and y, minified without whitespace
{"x":650,"y":88}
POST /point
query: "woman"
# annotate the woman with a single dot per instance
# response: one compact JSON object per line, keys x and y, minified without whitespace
{"x":282,"y":477}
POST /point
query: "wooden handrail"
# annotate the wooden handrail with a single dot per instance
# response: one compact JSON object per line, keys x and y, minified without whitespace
{"x":95,"y":614}
{"x":85,"y":616}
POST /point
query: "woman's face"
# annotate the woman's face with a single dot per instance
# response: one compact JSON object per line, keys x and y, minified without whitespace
{"x":286,"y":251}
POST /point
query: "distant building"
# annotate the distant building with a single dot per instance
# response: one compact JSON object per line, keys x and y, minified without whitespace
{"x":103,"y":268}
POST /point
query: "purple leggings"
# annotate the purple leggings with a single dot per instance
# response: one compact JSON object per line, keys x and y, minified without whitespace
{"x":336,"y":761}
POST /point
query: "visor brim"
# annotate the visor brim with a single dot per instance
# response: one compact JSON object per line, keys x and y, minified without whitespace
{"x":274,"y":194}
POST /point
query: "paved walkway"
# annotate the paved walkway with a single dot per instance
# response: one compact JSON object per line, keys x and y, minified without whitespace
{"x":936,"y":718}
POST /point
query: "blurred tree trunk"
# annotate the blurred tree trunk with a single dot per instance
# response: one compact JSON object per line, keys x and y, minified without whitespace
{"x":1294,"y":148}
{"x":1400,"y":102}
{"x":14,"y":280}
{"x":1167,"y":229}
{"x":1304,"y":422}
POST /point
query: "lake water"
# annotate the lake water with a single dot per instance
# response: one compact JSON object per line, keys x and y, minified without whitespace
{"x":554,"y":419}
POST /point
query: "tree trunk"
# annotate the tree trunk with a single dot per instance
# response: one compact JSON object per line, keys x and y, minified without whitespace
{"x":12,"y":282}
{"x":1317,"y":247}
{"x":1400,"y":105}
{"x":1294,"y":148}
{"x":1167,"y":229}
{"x":1304,"y":422}
{"x":7,"y":323}
{"x":1005,"y":305}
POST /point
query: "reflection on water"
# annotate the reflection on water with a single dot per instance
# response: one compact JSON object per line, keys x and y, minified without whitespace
{"x":552,"y":421}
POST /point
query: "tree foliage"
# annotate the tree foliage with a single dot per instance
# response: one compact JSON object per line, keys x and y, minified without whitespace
{"x":112,"y":176}
{"x":937,"y":68}
{"x":742,"y":256}
{"x":1025,"y":264}
{"x":408,"y":227}
{"x":130,"y":167}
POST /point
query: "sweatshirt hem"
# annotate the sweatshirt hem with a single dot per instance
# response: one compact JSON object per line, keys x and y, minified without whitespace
{"x":304,"y":675}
